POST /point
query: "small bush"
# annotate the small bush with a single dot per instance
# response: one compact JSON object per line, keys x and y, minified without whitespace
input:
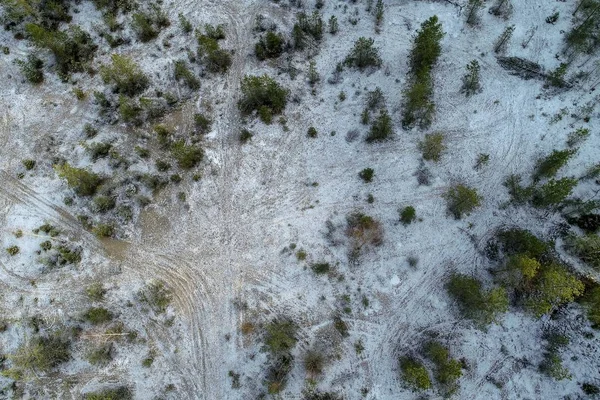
{"x":28,"y":164}
{"x":95,"y":291}
{"x":367,"y":174}
{"x":471,"y":83}
{"x":341,"y":326}
{"x":13,"y":250}
{"x":381,"y":129}
{"x":104,"y":230}
{"x":462,"y":200}
{"x":183,"y":73}
{"x":120,"y":393}
{"x":554,"y":192}
{"x":41,"y":354}
{"x":432,"y":146}
{"x":83,"y":182}
{"x":98,"y":150}
{"x":320,"y":268}
{"x":363,"y":55}
{"x":313,"y":362}
{"x":408,"y":215}
{"x":245,"y":135}
{"x":125,"y":74}
{"x":101,"y":355}
{"x":269,"y":46}
{"x":547,"y":167}
{"x":187,"y":156}
{"x":281,"y":336}
{"x":203,"y":123}
{"x":448,"y":370}
{"x":32,"y":69}
{"x":157,"y":296}
{"x":262,"y":92}
{"x":97,"y":316}
{"x":312,"y":132}
{"x":308,"y":28}
{"x":211,"y":55}
{"x":577,"y":137}
{"x":474,"y":303}
{"x":103,"y":203}
{"x":414,"y":374}
{"x":363,"y":230}
{"x":147,"y":25}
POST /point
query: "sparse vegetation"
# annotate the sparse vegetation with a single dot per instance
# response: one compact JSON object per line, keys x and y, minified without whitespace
{"x":461,"y":200}
{"x":408,"y":215}
{"x":432,"y":146}
{"x":125,"y":74}
{"x":262,"y":93}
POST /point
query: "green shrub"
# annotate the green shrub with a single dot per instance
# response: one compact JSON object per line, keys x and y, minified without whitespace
{"x":577,"y":137}
{"x":40,"y":354}
{"x":313,"y":362}
{"x":474,"y":303}
{"x":95,"y":291}
{"x":470,"y":80}
{"x":363,"y":54}
{"x":262,"y":92}
{"x":461,"y":200}
{"x":521,"y":242}
{"x":183,"y":73}
{"x":590,"y":389}
{"x":418,"y":107}
{"x":104,"y":230}
{"x":312,"y":132}
{"x":186,"y":25}
{"x":98,"y":150}
{"x":519,"y":194}
{"x":408,"y":215}
{"x":426,"y":49}
{"x":101,"y":355}
{"x":269,"y":46}
{"x":245,"y":135}
{"x":367,"y":174}
{"x":73,"y":49}
{"x":320,"y":268}
{"x":83,"y":182}
{"x":432,"y":146}
{"x":548,"y":166}
{"x":157,"y":296}
{"x":147,"y":25}
{"x":381,"y":128}
{"x":32,"y":69}
{"x":187,"y":156}
{"x":125,"y":74}
{"x":308,"y":27}
{"x":280,"y":336}
{"x":28,"y":164}
{"x":120,"y":393}
{"x":211,"y":55}
{"x":97,"y":316}
{"x":340,"y":325}
{"x":13,"y":250}
{"x":448,"y":370}
{"x":414,"y":374}
{"x":586,"y":247}
{"x":103,"y":203}
{"x":202,"y":123}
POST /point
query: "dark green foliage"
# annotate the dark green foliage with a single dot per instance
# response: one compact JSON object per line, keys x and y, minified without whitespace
{"x":471,"y":83}
{"x":262,"y":92}
{"x":104,"y":203}
{"x":147,"y":25}
{"x":590,"y":389}
{"x":130,"y":110}
{"x":448,"y":370}
{"x":120,"y":393}
{"x":551,"y":365}
{"x":13,"y":250}
{"x":157,"y":296}
{"x":432,"y":146}
{"x":552,"y":18}
{"x":73,"y":49}
{"x":316,"y":395}
{"x":97,"y":316}
{"x":40,"y":354}
{"x":426,"y":48}
{"x":381,"y":128}
{"x":474,"y":303}
{"x":554,"y":286}
{"x":162,"y":165}
{"x":556,"y":78}
{"x":46,"y":245}
{"x":473,"y":8}
{"x":312,"y":132}
{"x":269,"y":46}
{"x":548,"y":166}
{"x":590,"y":223}
{"x":583,"y":37}
{"x":408,"y":215}
{"x":98,"y":150}
{"x":320,"y":268}
{"x":363,"y":55}
{"x":313,"y":362}
{"x":519,"y":194}
{"x":101,"y":355}
{"x":418,"y":107}
{"x":503,"y":39}
{"x":104,"y":230}
{"x":553,"y":192}
{"x":577,"y":137}
{"x":32,"y":69}
{"x":95,"y":291}
{"x":586,"y":247}
{"x":414,"y":373}
{"x":341,"y":326}
{"x":277,"y":373}
{"x":186,"y":25}
{"x":333,"y":25}
{"x":215,"y":32}
{"x":48,"y":229}
{"x":591,"y":301}
{"x":125,"y":74}
{"x":462,"y":200}
{"x":308,"y":27}
{"x":245,"y":135}
{"x":82,"y":181}
{"x":367,"y":174}
{"x":202,"y":123}
{"x":28,"y":164}
{"x":183,"y":73}
{"x":211,"y":55}
{"x":187,"y":156}
{"x":520,"y":241}
{"x":281,"y":336}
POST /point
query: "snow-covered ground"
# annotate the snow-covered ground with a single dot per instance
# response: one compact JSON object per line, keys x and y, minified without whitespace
{"x":224,"y":246}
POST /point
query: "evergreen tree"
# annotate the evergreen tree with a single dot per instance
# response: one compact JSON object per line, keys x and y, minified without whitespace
{"x":548,"y":166}
{"x":554,"y":286}
{"x":587,"y":248}
{"x":476,"y":304}
{"x":364,"y":54}
{"x":503,"y":40}
{"x":333,"y":25}
{"x":427,"y":48}
{"x":471,"y":83}
{"x":125,"y":74}
{"x":553,"y":192}
{"x":262,"y":93}
{"x":473,"y":8}
{"x":462,"y":200}
{"x":381,"y":129}
{"x":414,"y":373}
{"x":269,"y":46}
{"x":82,"y":181}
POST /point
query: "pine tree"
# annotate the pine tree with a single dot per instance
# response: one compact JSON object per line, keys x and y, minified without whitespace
{"x":125,"y":74}
{"x":553,"y":192}
{"x":313,"y":75}
{"x":554,"y":286}
{"x":503,"y":40}
{"x":82,"y":181}
{"x":471,"y":83}
{"x":427,"y":48}
{"x":333,"y":25}
{"x":472,"y":11}
{"x":462,"y":200}
{"x":364,"y":54}
{"x":548,"y":166}
{"x":378,"y":15}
